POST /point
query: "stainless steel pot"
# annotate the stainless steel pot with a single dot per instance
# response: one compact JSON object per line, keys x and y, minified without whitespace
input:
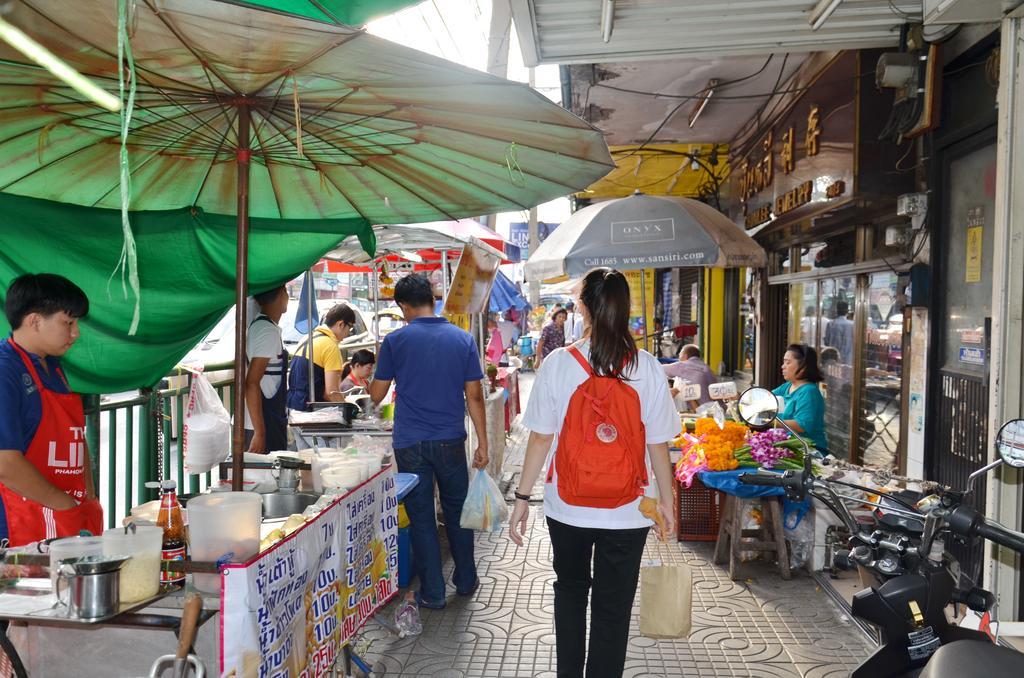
{"x":89,"y":587}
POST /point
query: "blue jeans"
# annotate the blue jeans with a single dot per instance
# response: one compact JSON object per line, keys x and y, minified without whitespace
{"x":444,"y":461}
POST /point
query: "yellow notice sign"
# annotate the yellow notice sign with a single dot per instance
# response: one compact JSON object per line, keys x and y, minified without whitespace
{"x":638,"y":298}
{"x":974,"y":249}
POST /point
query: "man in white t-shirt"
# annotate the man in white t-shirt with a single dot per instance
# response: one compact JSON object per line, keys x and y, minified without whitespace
{"x":573,"y":324}
{"x":266,"y":419}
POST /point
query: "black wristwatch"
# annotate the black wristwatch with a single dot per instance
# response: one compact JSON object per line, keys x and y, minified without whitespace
{"x":524,"y":497}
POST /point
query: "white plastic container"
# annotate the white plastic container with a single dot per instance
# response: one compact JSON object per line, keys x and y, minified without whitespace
{"x":223,"y":526}
{"x":323,"y":459}
{"x":72,"y":547}
{"x":342,"y":476}
{"x":140,"y":576}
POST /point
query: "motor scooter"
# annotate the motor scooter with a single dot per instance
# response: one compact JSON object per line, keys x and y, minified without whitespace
{"x":905,"y":550}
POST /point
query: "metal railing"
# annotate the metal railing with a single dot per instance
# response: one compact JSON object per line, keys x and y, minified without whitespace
{"x":137,"y":439}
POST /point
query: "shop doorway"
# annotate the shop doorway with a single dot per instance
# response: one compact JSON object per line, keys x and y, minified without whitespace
{"x":960,"y":403}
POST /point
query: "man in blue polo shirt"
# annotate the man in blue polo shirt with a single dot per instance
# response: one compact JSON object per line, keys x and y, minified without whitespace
{"x":437,"y":373}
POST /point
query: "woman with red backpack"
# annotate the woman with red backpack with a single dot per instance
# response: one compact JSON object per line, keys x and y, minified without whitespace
{"x":601,"y":413}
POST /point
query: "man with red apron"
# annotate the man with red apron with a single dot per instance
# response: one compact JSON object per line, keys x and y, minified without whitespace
{"x":46,"y":487}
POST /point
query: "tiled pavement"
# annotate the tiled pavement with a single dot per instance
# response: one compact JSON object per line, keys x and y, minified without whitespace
{"x":761,"y":626}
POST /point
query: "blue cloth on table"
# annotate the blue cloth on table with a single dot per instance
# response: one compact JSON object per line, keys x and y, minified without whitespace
{"x":729,"y":482}
{"x":404,"y":482}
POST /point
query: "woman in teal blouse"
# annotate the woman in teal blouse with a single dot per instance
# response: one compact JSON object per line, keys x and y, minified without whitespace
{"x":803,"y":408}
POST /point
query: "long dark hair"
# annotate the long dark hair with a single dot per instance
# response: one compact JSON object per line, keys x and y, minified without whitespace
{"x":605,"y":293}
{"x":361,"y":357}
{"x":808,"y":359}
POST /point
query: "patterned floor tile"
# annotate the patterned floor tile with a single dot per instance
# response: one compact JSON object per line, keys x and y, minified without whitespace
{"x":757,"y":627}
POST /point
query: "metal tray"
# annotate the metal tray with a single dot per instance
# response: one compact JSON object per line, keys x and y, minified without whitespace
{"x":16,"y":605}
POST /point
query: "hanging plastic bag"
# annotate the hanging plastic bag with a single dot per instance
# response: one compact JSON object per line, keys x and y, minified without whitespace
{"x":485,"y":508}
{"x":798,"y":526}
{"x":713,"y":410}
{"x":206,"y":436}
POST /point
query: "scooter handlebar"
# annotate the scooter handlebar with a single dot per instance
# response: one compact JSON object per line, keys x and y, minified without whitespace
{"x":968,"y":522}
{"x":765,"y":479}
{"x":995,"y":532}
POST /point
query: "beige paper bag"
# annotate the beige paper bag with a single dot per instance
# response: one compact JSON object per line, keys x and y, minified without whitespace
{"x":665,"y":601}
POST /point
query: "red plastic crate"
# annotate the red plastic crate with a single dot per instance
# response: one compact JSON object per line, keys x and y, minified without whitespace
{"x":700,"y":509}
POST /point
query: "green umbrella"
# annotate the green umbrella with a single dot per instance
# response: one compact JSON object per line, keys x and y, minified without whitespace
{"x":262,"y":114}
{"x":351,"y":12}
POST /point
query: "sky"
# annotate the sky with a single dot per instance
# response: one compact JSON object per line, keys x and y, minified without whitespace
{"x":457,"y":30}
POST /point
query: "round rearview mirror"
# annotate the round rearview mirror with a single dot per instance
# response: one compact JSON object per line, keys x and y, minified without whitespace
{"x":1010,"y":443}
{"x":758,"y":407}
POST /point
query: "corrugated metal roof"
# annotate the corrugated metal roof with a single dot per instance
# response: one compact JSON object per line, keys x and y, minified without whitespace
{"x":569,"y":31}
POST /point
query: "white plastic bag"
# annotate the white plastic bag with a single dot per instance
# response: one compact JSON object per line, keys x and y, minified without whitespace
{"x":207,"y":432}
{"x":485,"y":508}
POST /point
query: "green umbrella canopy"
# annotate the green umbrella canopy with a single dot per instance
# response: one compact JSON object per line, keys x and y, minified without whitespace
{"x":388,"y":134}
{"x":351,"y":12}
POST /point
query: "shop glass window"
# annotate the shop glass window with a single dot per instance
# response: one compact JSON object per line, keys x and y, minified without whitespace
{"x":882,"y":383}
{"x":968,"y":262}
{"x":778,"y":262}
{"x":748,"y":320}
{"x":836,"y":321}
{"x":803,"y":314}
{"x":810,"y":256}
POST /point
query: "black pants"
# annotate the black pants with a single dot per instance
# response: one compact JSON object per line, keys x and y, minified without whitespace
{"x":615,"y":556}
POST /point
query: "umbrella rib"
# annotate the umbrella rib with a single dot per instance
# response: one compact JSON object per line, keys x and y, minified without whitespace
{"x":213,"y":160}
{"x":185,"y":86}
{"x":329,"y":107}
{"x":273,"y":185}
{"x":184,"y":43}
{"x":472,"y":183}
{"x":302,"y":64}
{"x":170,"y":121}
{"x":324,"y":174}
{"x":153,"y":154}
{"x":273,"y":105}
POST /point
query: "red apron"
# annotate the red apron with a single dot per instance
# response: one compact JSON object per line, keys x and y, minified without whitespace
{"x":58,"y":451}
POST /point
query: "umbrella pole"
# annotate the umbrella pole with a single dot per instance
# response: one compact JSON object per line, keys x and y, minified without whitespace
{"x":643,"y":303}
{"x":241,"y":287}
{"x":309,"y":326}
{"x":444,"y":278}
{"x":375,"y":287}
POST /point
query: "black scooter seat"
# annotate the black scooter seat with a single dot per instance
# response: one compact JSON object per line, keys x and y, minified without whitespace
{"x":969,"y":658}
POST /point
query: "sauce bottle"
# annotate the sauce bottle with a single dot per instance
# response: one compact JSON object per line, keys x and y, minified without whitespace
{"x":170,"y":519}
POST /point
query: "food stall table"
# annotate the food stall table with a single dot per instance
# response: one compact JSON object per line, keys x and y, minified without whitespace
{"x":36,"y":636}
{"x":508,"y":379}
{"x":738,"y":499}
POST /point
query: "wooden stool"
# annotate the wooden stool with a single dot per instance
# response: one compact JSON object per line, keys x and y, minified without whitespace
{"x":769,"y":537}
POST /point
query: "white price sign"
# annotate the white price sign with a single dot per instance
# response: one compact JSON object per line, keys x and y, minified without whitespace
{"x":690,"y":392}
{"x":723,"y":391}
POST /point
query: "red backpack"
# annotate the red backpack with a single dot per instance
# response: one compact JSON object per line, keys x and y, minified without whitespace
{"x":602,"y":447}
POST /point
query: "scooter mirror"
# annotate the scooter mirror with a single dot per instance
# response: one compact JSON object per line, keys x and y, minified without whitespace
{"x":1010,"y":443}
{"x":758,"y":407}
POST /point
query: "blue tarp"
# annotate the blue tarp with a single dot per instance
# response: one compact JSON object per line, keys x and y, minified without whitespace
{"x":505,"y":295}
{"x":729,"y":482}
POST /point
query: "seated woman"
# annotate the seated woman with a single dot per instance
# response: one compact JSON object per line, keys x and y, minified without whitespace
{"x":803,"y":408}
{"x":356,"y":372}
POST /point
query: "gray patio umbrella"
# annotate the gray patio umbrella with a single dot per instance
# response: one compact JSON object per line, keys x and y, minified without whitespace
{"x":640,"y":232}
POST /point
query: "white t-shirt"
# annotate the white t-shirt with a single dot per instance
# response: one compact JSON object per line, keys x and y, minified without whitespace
{"x":556,"y":382}
{"x":573,"y":327}
{"x":263,"y":340}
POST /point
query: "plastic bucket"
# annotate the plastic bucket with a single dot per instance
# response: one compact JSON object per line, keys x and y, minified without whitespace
{"x":140,"y":576}
{"x":223,"y":528}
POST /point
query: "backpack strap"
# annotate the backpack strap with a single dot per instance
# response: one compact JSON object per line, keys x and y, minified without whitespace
{"x":584,"y":363}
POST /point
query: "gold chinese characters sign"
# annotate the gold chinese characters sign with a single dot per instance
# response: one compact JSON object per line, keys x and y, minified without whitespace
{"x":805,"y":160}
